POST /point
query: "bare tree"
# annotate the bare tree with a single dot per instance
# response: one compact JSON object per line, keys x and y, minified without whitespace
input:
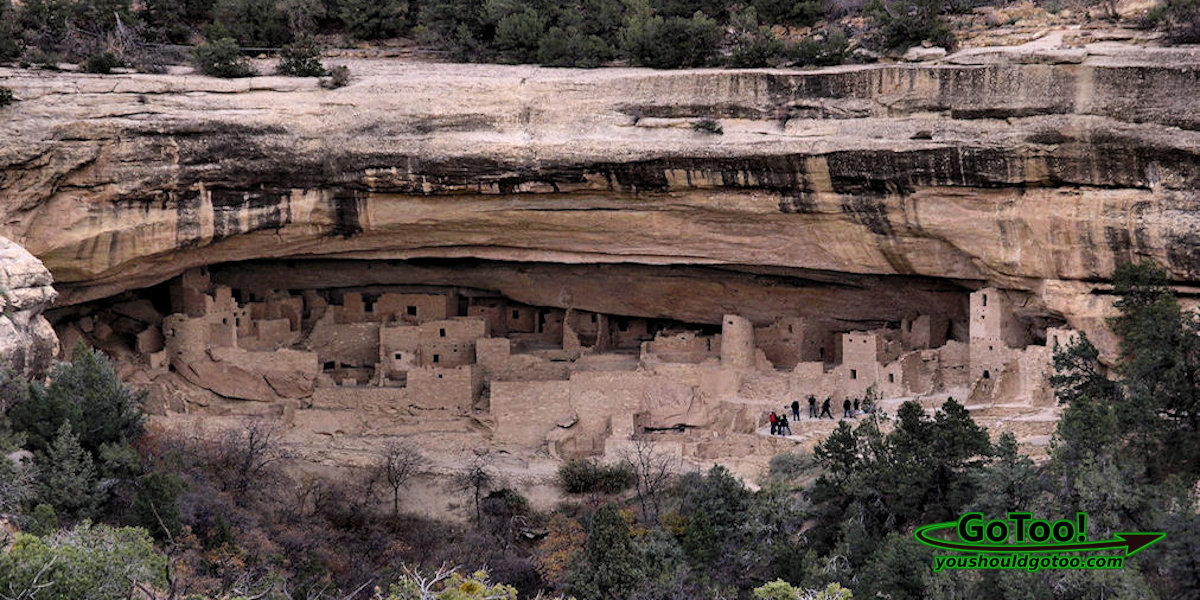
{"x":653,"y":470}
{"x":477,"y":478}
{"x":399,"y":461}
{"x":245,"y":457}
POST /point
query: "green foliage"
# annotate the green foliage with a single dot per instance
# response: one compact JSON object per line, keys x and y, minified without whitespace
{"x":89,"y":562}
{"x":1009,"y":483}
{"x":10,"y":40}
{"x":222,"y":58}
{"x":802,"y":13}
{"x":903,"y":23}
{"x":42,"y":521}
{"x":708,"y":125}
{"x":301,"y":59}
{"x":87,"y":394}
{"x":66,"y":478}
{"x":518,"y":35}
{"x":572,"y":48}
{"x":776,"y":590}
{"x":16,"y":484}
{"x":789,"y":466}
{"x":1179,"y":18}
{"x":925,"y":470}
{"x":609,"y":566}
{"x":581,"y":476}
{"x":670,"y":43}
{"x":155,"y":506}
{"x":830,"y":49}
{"x":254,"y":22}
{"x":373,"y":19}
{"x":753,"y":45}
{"x":102,"y":62}
{"x":446,"y":586}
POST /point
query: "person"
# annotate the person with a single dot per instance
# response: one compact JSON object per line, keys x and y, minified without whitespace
{"x":846,"y":409}
{"x":774,"y":422}
{"x":825,"y":407}
{"x":783,"y":424}
{"x":812,"y":406}
{"x":795,"y":410}
{"x":856,"y":411}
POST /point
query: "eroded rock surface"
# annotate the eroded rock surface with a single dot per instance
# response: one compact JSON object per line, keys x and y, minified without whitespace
{"x":27,"y":342}
{"x":638,"y":273}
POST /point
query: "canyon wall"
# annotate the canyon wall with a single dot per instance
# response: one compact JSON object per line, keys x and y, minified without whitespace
{"x":897,"y":181}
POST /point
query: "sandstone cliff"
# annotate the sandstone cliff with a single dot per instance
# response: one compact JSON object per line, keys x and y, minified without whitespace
{"x":27,"y":342}
{"x":856,"y":193}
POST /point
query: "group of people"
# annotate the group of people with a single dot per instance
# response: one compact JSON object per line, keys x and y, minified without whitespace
{"x":779,"y":421}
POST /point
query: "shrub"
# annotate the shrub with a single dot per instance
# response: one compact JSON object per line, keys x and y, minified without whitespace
{"x":372,"y":19}
{"x":254,"y":22}
{"x":571,"y":48}
{"x":10,"y":46}
{"x":96,"y":562}
{"x":672,"y":43}
{"x":87,"y":394}
{"x":339,"y":76}
{"x":581,"y":476}
{"x":790,"y":12}
{"x":1180,"y":19}
{"x":102,"y":62}
{"x":6,"y":97}
{"x":222,"y":58}
{"x":708,"y":125}
{"x":904,"y":23}
{"x":301,"y":59}
{"x":832,"y":49}
{"x":519,"y":34}
{"x":753,"y":46}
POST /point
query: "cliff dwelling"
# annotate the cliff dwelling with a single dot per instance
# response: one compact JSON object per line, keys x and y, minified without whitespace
{"x":550,"y":362}
{"x":558,"y":264}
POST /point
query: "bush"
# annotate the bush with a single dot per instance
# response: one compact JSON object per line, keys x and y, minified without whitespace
{"x":581,"y":476}
{"x":254,"y":22}
{"x":672,"y":43}
{"x":10,"y":46}
{"x":832,"y":49}
{"x":790,"y":12}
{"x":222,"y":58}
{"x":102,"y":63}
{"x":373,"y":19}
{"x":707,"y":125}
{"x":904,"y":23}
{"x":87,"y":394}
{"x":518,"y":36}
{"x":302,"y":59}
{"x":339,"y":76}
{"x":96,"y":562}
{"x":753,"y":46}
{"x":571,"y":48}
{"x":1180,"y":19}
{"x":6,"y":97}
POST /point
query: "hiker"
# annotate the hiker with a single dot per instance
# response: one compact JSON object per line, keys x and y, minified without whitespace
{"x":795,"y":410}
{"x":856,"y":411}
{"x":812,"y":406}
{"x":774,"y":422}
{"x":783,"y":424}
{"x":846,"y":409}
{"x":825,"y":407}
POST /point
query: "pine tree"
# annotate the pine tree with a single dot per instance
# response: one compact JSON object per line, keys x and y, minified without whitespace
{"x":610,"y":566}
{"x":66,"y":476}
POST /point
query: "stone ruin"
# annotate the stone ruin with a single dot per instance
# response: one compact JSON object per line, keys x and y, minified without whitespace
{"x":463,"y":367}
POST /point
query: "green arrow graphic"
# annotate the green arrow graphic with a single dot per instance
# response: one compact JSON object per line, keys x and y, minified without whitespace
{"x":1132,"y":542}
